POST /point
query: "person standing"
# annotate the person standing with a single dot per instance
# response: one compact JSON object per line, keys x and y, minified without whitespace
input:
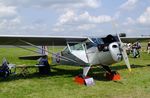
{"x":134,"y":50}
{"x":138,"y":47}
{"x":128,"y":48}
{"x":148,"y":47}
{"x":45,"y":68}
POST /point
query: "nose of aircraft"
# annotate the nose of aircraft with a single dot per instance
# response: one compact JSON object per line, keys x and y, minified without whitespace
{"x":115,"y":51}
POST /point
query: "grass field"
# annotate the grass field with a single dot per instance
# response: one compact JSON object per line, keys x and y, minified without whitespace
{"x":60,"y":83}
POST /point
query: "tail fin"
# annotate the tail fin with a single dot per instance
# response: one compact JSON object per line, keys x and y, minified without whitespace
{"x":44,"y":50}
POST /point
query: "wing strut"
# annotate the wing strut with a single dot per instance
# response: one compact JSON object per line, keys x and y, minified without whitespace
{"x":26,"y":49}
{"x":68,"y":59}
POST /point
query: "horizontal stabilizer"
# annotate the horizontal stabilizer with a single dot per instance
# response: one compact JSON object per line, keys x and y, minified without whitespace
{"x":32,"y":57}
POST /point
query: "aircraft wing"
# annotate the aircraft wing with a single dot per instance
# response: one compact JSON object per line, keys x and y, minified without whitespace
{"x":39,"y":40}
{"x":134,"y":39}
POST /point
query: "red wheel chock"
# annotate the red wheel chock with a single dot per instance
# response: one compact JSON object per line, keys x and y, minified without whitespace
{"x":113,"y":76}
{"x":84,"y":81}
{"x":79,"y":80}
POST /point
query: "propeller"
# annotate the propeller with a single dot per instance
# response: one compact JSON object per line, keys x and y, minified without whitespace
{"x":124,"y":54}
{"x":122,"y":48}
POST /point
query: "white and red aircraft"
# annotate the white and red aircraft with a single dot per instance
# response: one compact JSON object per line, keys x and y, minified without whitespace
{"x":79,"y":51}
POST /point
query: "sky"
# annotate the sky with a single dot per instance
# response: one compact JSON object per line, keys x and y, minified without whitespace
{"x":74,"y":17}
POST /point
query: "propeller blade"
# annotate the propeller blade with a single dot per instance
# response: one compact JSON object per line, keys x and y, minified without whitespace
{"x":123,"y":50}
{"x":124,"y":54}
{"x":125,"y":57}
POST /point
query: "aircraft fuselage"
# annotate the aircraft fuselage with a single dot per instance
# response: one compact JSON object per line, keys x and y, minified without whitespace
{"x":95,"y":51}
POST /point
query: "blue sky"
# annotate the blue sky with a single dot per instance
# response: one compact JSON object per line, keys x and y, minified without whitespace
{"x":74,"y":17}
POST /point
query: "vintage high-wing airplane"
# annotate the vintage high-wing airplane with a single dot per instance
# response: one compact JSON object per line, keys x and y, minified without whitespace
{"x":79,"y":51}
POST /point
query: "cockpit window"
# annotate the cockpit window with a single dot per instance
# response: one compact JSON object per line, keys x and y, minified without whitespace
{"x":97,"y":41}
{"x":76,"y":46}
{"x":90,"y":44}
{"x":102,"y":43}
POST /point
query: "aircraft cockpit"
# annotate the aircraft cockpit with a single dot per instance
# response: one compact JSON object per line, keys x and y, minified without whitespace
{"x":103,"y":43}
{"x":74,"y":46}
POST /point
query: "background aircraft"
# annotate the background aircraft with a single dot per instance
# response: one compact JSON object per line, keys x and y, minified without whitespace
{"x":79,"y":51}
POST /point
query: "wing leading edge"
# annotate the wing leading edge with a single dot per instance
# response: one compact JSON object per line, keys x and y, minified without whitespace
{"x":39,"y":40}
{"x":133,"y":39}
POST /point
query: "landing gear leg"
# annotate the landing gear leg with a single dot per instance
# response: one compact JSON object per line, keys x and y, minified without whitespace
{"x":111,"y":75}
{"x":83,"y":79}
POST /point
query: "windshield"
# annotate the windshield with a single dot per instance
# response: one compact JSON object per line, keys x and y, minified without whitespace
{"x":76,"y":46}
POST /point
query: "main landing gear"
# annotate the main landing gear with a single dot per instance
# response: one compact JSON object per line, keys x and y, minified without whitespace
{"x":83,"y":79}
{"x":111,"y":75}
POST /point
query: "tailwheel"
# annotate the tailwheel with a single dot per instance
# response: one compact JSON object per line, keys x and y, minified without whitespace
{"x":115,"y":76}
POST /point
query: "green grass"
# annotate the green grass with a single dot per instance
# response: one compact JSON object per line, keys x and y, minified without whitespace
{"x":60,"y":83}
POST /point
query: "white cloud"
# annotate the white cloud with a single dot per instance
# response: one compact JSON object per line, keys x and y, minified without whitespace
{"x":9,"y":18}
{"x":86,"y":26}
{"x":70,"y":17}
{"x":53,"y":3}
{"x":139,"y":25}
{"x":92,"y":3}
{"x":74,"y":21}
{"x":7,"y":11}
{"x":12,"y":19}
{"x":145,"y":17}
{"x":67,"y":17}
{"x":11,"y":22}
{"x":9,"y":26}
{"x":94,"y":19}
{"x":129,"y":4}
{"x":129,"y":21}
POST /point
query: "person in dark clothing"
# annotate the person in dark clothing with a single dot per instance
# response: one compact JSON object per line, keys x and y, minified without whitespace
{"x":4,"y":69}
{"x":45,"y":68}
{"x":148,"y":47}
